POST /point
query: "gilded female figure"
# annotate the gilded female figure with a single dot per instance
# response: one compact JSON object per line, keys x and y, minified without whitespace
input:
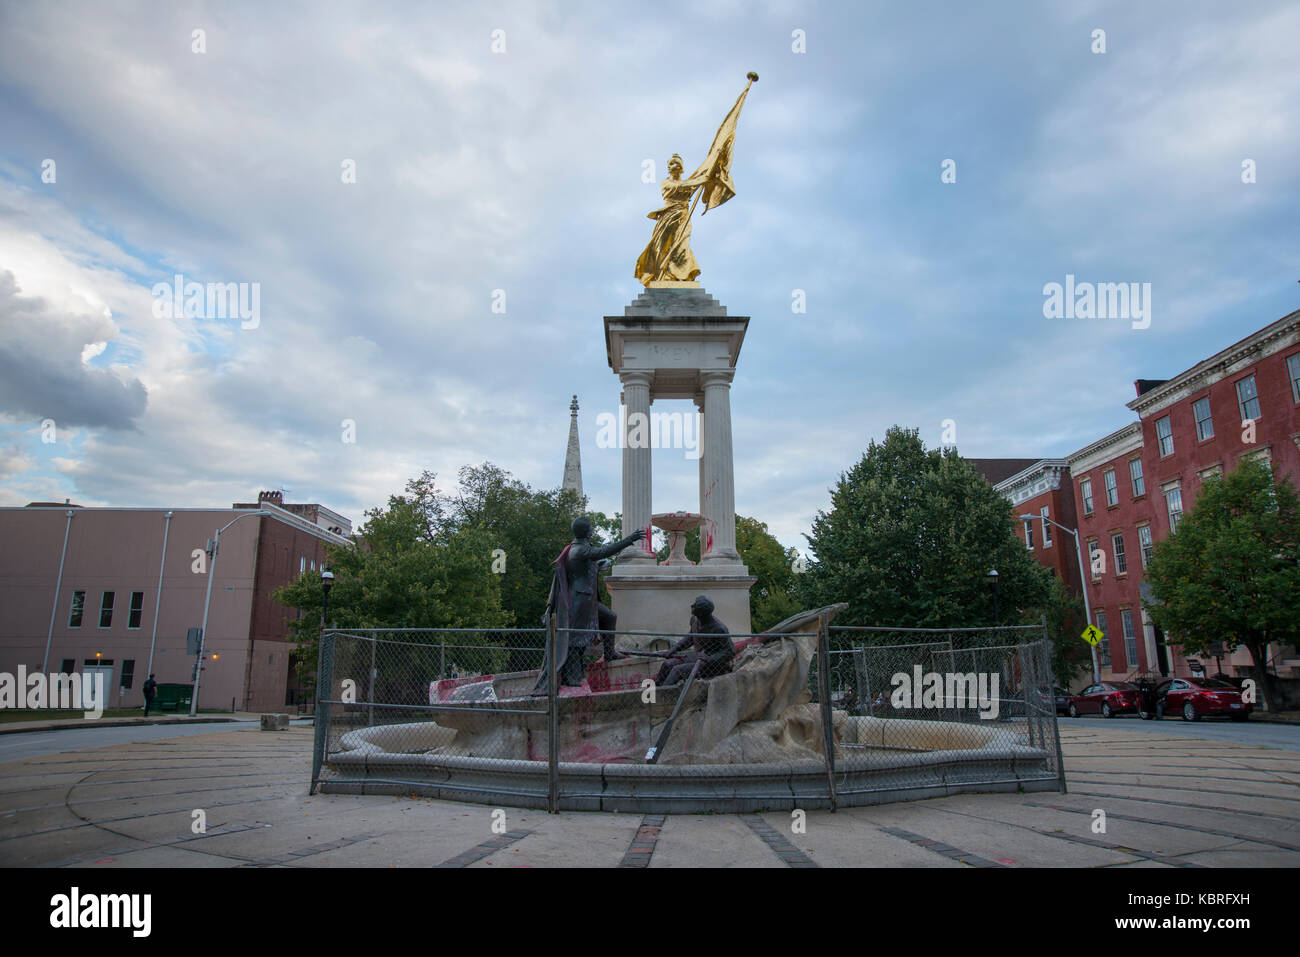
{"x":668,"y":255}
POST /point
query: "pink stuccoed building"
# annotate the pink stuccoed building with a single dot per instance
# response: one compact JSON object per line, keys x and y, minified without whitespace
{"x":118,"y":588}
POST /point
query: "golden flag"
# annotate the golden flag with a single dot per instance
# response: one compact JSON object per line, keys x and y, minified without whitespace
{"x":715,"y":171}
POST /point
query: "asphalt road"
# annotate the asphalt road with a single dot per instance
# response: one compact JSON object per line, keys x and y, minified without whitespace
{"x":1285,"y":736}
{"x":36,"y":743}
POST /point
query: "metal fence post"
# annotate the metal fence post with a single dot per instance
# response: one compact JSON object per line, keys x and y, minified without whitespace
{"x":823,"y":692}
{"x":370,"y":695}
{"x":324,"y":687}
{"x":552,"y":722}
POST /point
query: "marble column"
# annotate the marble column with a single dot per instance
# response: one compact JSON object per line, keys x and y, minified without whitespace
{"x":637,"y":465}
{"x":718,"y":499}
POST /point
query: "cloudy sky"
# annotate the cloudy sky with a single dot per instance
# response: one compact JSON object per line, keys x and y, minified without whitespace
{"x":128,"y":156}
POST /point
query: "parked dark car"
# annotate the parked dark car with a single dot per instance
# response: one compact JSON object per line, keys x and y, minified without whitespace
{"x":1061,"y":698}
{"x":1195,"y":698}
{"x":1108,"y":699}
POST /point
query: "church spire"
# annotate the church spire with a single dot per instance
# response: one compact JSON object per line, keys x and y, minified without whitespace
{"x":573,"y":457}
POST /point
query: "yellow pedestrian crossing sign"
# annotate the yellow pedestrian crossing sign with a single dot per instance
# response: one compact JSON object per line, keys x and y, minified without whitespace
{"x":1092,"y":635}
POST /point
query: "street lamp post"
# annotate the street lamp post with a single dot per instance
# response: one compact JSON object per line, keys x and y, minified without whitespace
{"x":1083,"y":583}
{"x":326,"y":583}
{"x":993,"y":577}
{"x":207,"y":602}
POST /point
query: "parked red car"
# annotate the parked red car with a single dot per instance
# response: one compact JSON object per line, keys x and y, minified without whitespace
{"x":1195,"y":698}
{"x":1107,"y":699}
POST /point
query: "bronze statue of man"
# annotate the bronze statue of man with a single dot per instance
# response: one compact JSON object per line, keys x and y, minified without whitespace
{"x":578,"y":612}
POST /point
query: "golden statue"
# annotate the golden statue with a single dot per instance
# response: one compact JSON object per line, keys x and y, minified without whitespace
{"x":668,"y":256}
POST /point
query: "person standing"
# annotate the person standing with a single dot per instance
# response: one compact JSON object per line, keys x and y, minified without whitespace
{"x":150,"y":689}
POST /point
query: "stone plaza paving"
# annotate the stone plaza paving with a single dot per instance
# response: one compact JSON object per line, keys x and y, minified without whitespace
{"x":1170,"y":801}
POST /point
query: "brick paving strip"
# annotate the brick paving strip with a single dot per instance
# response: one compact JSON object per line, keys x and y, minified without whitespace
{"x":947,"y":850}
{"x":477,"y":853}
{"x":788,"y":853}
{"x":643,"y":843}
{"x":292,"y":856}
{"x":1180,"y":825}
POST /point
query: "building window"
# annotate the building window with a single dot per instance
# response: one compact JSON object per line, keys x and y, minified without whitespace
{"x":128,"y":673}
{"x":1293,"y":371}
{"x":1214,"y":471}
{"x":1130,"y":637}
{"x":78,"y":609}
{"x":1117,"y":547}
{"x":1165,"y":436}
{"x":137,"y":611}
{"x":1144,"y":543}
{"x":1112,"y":487}
{"x":1247,"y":398}
{"x":1135,"y":476}
{"x":68,"y":666}
{"x":1096,"y":558}
{"x":1204,"y":422}
{"x":106,"y":610}
{"x":1103,"y":647}
{"x":1029,"y":534}
{"x":302,"y":567}
{"x":1261,"y":456}
{"x":1085,"y":492}
{"x":1047,"y":529}
{"x":1174,"y":502}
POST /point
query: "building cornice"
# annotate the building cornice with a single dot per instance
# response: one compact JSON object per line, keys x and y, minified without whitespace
{"x":1119,"y":442}
{"x":1272,"y":338}
{"x":1043,"y":476}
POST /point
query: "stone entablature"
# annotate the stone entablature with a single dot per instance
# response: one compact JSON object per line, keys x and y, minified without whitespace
{"x":1241,"y":355}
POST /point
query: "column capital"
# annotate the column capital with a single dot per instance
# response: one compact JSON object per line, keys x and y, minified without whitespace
{"x":636,"y":378}
{"x":712,"y":378}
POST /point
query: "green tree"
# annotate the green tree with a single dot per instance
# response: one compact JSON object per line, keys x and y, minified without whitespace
{"x":1065,"y":623}
{"x":910,"y":538}
{"x":1231,"y":571}
{"x":409,"y":568}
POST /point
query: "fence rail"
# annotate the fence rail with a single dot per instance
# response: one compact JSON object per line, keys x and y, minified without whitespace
{"x":819,"y":717}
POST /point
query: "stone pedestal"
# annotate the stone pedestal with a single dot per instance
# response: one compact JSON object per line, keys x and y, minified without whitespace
{"x":677,"y":342}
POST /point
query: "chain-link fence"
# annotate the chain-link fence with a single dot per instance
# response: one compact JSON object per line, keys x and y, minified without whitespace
{"x":811,"y":716}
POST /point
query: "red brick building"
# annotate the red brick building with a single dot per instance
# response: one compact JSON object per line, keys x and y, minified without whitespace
{"x":1129,"y":488}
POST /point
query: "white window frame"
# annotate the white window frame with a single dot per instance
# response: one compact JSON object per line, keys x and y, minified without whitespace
{"x":1117,"y":550}
{"x":1130,"y":638}
{"x":1137,"y":481}
{"x":1112,"y":487}
{"x":1175,"y":514}
{"x":1085,"y":493}
{"x":1145,"y":543}
{"x":1243,"y":402}
{"x":1208,"y":433}
{"x":1293,"y":372}
{"x":1167,"y":434}
{"x":1029,"y":534}
{"x":1047,"y":528}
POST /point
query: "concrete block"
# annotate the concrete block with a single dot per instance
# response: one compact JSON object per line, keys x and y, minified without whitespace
{"x":275,"y":722}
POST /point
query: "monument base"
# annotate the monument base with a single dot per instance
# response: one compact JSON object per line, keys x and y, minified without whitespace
{"x":657,"y":598}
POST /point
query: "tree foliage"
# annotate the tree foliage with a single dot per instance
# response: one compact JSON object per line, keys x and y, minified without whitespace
{"x":1231,"y":570}
{"x":910,"y":538}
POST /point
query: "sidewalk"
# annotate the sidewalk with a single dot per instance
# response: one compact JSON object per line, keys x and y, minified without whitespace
{"x":58,"y":724}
